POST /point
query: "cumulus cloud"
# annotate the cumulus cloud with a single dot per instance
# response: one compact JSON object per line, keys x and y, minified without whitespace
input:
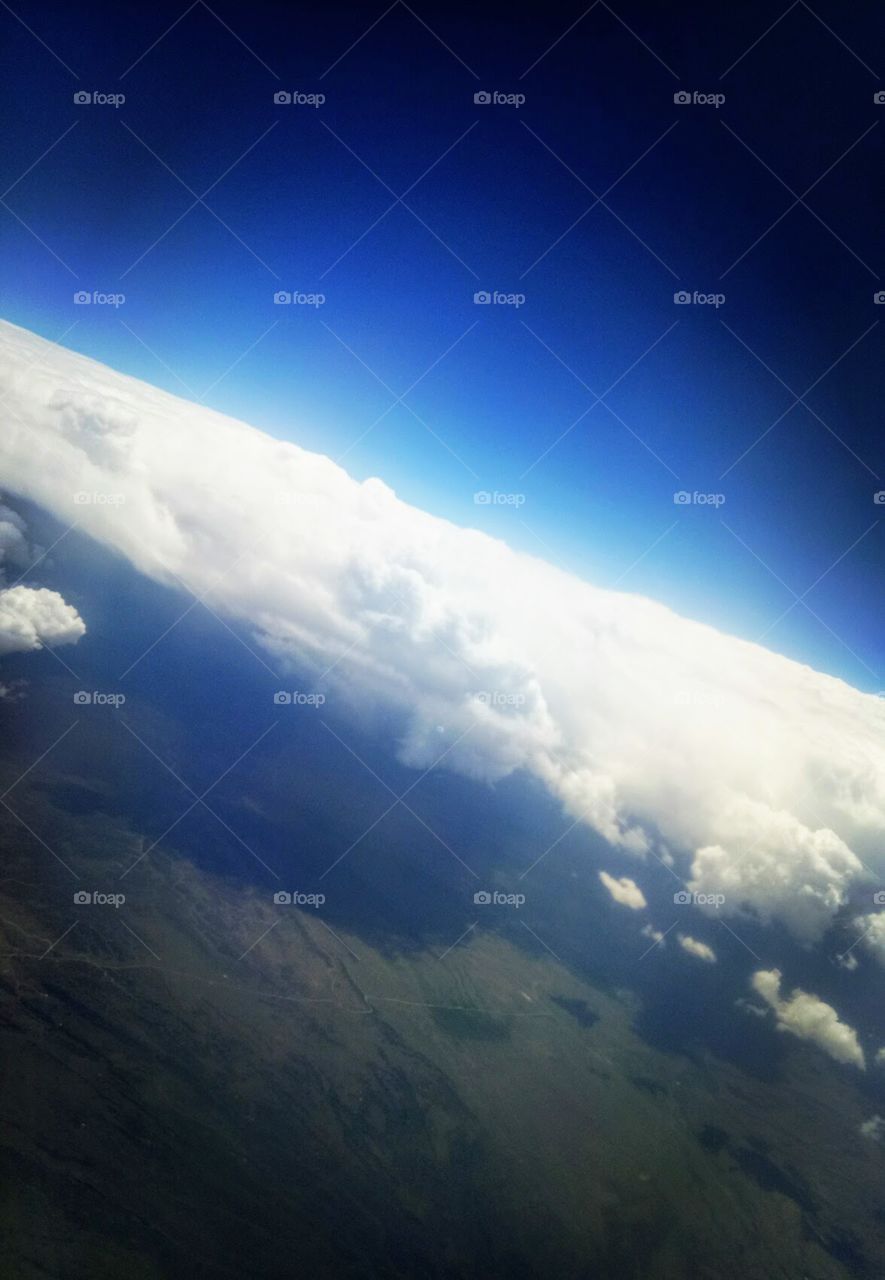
{"x":625,"y":891}
{"x":695,"y":948}
{"x":649,"y":931}
{"x":758,"y":777}
{"x":29,"y":617}
{"x":872,"y":929}
{"x":809,"y":1018}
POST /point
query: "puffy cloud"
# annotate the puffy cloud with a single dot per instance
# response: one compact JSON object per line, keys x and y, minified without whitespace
{"x":649,"y":931}
{"x":809,"y":1018}
{"x":695,"y":948}
{"x":625,"y":891}
{"x":872,"y":928}
{"x":33,"y":617}
{"x":29,"y":617}
{"x":757,"y":776}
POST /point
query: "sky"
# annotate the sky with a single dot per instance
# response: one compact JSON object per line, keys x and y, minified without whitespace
{"x":399,"y":197}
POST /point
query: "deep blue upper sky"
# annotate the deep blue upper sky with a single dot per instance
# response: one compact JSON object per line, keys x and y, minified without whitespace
{"x":299,"y":200}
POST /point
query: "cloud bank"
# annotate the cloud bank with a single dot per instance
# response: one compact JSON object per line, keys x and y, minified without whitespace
{"x":809,"y":1018}
{"x":764,"y":778}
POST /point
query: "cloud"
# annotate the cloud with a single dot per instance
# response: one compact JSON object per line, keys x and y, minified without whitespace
{"x":873,"y":1128}
{"x":649,"y":931}
{"x":880,"y":1057}
{"x":695,"y":948}
{"x":872,"y":928}
{"x":625,"y":891}
{"x":33,"y":617}
{"x":756,"y":776}
{"x":29,"y":617}
{"x":809,"y":1018}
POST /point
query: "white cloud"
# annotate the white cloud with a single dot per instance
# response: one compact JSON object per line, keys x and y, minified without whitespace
{"x":32,"y":617}
{"x":758,"y":777}
{"x":809,"y":1018}
{"x":649,"y":931}
{"x":625,"y":891}
{"x":29,"y":617}
{"x":695,"y":948}
{"x":872,"y":929}
{"x":873,"y":1128}
{"x":880,"y":1057}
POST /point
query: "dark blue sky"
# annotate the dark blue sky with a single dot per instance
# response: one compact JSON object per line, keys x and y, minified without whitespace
{"x":498,"y":197}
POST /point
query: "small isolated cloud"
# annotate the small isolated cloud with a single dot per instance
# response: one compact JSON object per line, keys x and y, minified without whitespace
{"x":872,"y":929}
{"x":33,"y":617}
{"x":809,"y":1018}
{"x":873,"y":1128}
{"x":29,"y":617}
{"x":695,"y":948}
{"x":847,"y":961}
{"x":880,"y":1057}
{"x":748,"y":1007}
{"x":625,"y":891}
{"x":649,"y":931}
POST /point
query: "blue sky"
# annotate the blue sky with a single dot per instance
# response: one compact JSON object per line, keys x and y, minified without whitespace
{"x":498,"y":397}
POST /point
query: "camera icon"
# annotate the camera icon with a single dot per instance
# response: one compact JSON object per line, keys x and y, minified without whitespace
{"x":681,"y":97}
{"x":879,"y":298}
{"x":281,"y":296}
{"x":681,"y":298}
{"x":483,"y":498}
{"x":879,"y":498}
{"x":482,"y":898}
{"x":682,"y":898}
{"x":482,"y":297}
{"x":682,"y":498}
{"x":81,"y":897}
{"x":483,"y":98}
{"x":81,"y":97}
{"x":879,"y":897}
{"x":282,"y":98}
{"x":81,"y":297}
{"x":282,"y":898}
{"x":82,"y":698}
{"x":879,"y":97}
{"x":282,"y":699}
